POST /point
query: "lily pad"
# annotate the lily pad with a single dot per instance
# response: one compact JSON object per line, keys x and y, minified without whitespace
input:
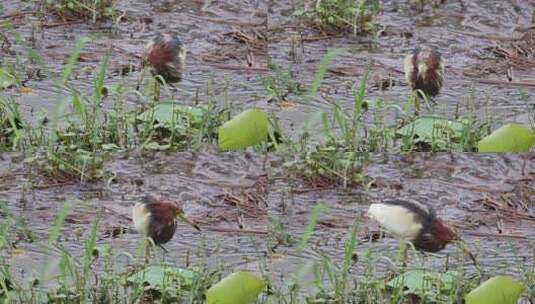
{"x":496,"y":290}
{"x":6,"y":79}
{"x":238,"y":288}
{"x":428,"y":128}
{"x":162,"y":276}
{"x":246,"y":129}
{"x":509,"y":138}
{"x":165,"y":112}
{"x":422,"y":281}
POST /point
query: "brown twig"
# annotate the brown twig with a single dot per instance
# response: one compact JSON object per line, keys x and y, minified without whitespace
{"x":486,"y":36}
{"x":239,"y":67}
{"x":495,"y":235}
{"x":56,"y":24}
{"x":18,"y":14}
{"x":505,"y":82}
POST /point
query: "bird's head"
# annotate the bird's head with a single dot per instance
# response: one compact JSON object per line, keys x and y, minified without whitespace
{"x":428,"y":59}
{"x":443,"y":234}
{"x":179,"y":214}
{"x":167,"y":207}
{"x":166,"y":55}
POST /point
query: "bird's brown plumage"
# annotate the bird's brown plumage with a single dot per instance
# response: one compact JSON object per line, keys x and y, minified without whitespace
{"x":162,"y":225}
{"x":429,"y":232}
{"x":424,"y":70}
{"x":166,"y":56}
{"x":157,"y":218}
{"x":435,"y":237}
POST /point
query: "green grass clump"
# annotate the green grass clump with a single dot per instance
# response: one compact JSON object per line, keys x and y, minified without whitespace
{"x":330,"y":167}
{"x":357,"y":16}
{"x":84,"y":9}
{"x":281,"y":83}
{"x":10,"y":123}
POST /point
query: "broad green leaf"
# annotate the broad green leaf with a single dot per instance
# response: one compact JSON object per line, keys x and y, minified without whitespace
{"x":496,"y":290}
{"x":165,"y":112}
{"x":238,"y":288}
{"x":162,"y":276}
{"x":246,"y":129}
{"x":6,"y":79}
{"x":428,"y":128}
{"x":509,"y":138}
{"x":421,"y":281}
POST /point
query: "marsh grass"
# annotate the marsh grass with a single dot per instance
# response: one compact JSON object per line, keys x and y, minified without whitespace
{"x":93,"y":275}
{"x":94,"y":10}
{"x":10,"y":124}
{"x":352,"y":274}
{"x":281,"y":83}
{"x":81,"y":135}
{"x":76,"y":142}
{"x":356,"y":16}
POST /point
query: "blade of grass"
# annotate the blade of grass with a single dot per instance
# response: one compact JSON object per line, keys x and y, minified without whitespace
{"x":320,"y":73}
{"x":73,"y":59}
{"x":99,"y":79}
{"x":309,"y":229}
{"x":58,"y":222}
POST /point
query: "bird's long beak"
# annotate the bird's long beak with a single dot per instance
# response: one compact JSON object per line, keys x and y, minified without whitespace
{"x":181,"y":217}
{"x":461,"y":245}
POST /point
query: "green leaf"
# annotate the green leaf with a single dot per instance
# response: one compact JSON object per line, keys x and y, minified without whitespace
{"x":6,"y":79}
{"x":110,"y":147}
{"x":496,"y":290}
{"x":238,"y":288}
{"x":73,"y":58}
{"x":246,"y":129}
{"x":428,"y":128}
{"x":422,"y":281}
{"x":78,"y":105}
{"x":99,"y":78}
{"x":58,"y":223}
{"x":161,"y":276}
{"x":317,"y":210}
{"x":325,"y":62}
{"x":509,"y":138}
{"x":165,"y":112}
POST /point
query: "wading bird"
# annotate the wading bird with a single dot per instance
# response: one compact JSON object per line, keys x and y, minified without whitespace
{"x":413,"y":221}
{"x":166,"y":56}
{"x":156,"y":219}
{"x":424,"y":70}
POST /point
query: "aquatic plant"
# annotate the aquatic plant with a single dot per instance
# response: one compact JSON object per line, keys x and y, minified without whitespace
{"x":353,"y":16}
{"x":85,"y":9}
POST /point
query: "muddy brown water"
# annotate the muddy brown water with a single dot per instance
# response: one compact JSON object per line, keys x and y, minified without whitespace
{"x":460,"y":186}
